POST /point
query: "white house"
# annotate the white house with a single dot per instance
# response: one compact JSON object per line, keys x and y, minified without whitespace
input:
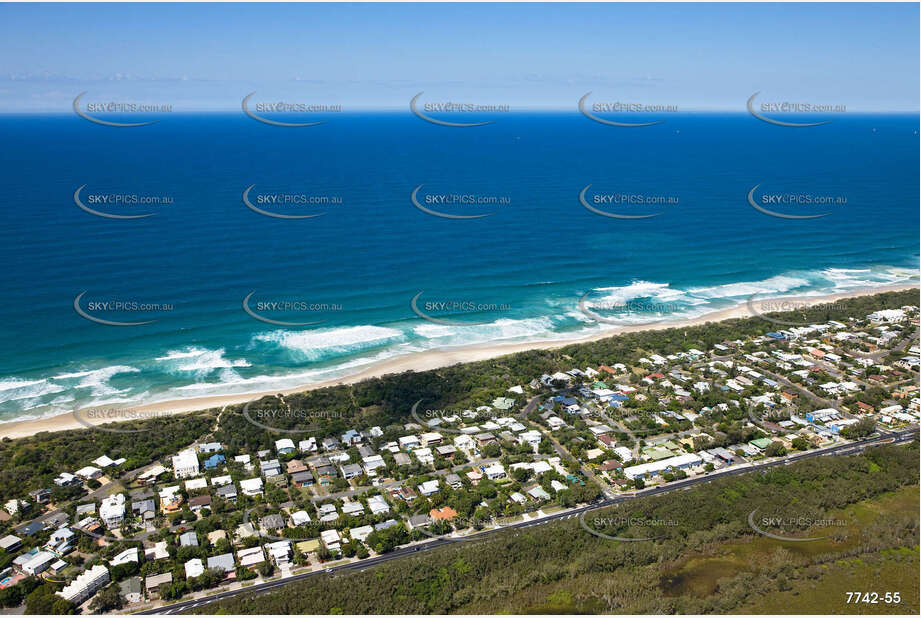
{"x":185,"y":464}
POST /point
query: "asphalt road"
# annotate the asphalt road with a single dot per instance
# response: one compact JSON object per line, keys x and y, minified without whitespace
{"x":895,"y":437}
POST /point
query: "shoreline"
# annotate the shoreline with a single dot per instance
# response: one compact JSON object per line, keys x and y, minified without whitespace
{"x":420,"y":361}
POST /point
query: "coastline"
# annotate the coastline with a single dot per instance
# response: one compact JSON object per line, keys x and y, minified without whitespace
{"x":421,"y":361}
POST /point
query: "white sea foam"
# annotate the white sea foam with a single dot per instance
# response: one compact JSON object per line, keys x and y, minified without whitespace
{"x":15,"y":389}
{"x":771,"y":285}
{"x":199,"y":361}
{"x":318,"y":345}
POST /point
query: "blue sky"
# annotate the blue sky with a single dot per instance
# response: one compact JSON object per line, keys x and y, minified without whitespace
{"x":695,"y":56}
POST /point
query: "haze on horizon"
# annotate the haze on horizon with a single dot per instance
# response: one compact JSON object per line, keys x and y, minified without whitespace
{"x":206,"y":57}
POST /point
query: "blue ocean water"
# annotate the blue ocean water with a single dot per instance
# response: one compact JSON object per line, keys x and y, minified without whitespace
{"x":367,"y":257}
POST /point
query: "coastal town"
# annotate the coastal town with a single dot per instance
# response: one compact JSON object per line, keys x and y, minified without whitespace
{"x":213,"y":517}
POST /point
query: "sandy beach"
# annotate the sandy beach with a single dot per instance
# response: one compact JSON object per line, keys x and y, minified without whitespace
{"x":421,"y":361}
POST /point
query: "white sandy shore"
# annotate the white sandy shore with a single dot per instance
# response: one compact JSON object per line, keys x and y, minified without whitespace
{"x":421,"y":361}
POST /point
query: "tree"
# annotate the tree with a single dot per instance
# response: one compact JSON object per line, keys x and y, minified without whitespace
{"x":775,"y":449}
{"x":108,"y":599}
{"x":861,"y":429}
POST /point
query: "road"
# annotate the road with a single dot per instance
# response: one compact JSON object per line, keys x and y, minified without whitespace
{"x":894,"y":437}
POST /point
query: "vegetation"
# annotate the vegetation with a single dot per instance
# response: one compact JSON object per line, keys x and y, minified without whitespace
{"x":559,"y":567}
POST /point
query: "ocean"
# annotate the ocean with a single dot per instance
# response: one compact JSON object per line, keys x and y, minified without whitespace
{"x":332,"y":293}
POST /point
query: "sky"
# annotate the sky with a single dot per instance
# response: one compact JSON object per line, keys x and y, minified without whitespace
{"x":206,"y":57}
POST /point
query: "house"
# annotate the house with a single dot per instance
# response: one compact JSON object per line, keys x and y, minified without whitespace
{"x":418,"y":521}
{"x":538,"y":493}
{"x":157,"y":552}
{"x":272,"y":522}
{"x":185,"y":464}
{"x":484,"y":438}
{"x":250,"y":556}
{"x":10,"y":543}
{"x":151,"y":475}
{"x":112,"y":510}
{"x":251,"y":487}
{"x":214,"y":461}
{"x":188,"y":539}
{"x":331,"y":540}
{"x":194,"y":568}
{"x":351,"y":471}
{"x":270,"y":468}
{"x":40,"y":496}
{"x":409,"y":442}
{"x":453,"y":481}
{"x":34,"y":562}
{"x":227,"y":492}
{"x":431,"y":438}
{"x":85,"y":585}
{"x":210,"y":447}
{"x":299,"y":518}
{"x":154,"y":582}
{"x":66,"y":479}
{"x":89,"y":472}
{"x":678,"y":462}
{"x":30,"y":529}
{"x":378,"y":505}
{"x":373,"y":462}
{"x":401,"y":459}
{"x":280,"y":553}
{"x":170,"y":499}
{"x":295,"y":465}
{"x":61,"y":541}
{"x":244,"y":531}
{"x":428,"y":488}
{"x":199,"y":502}
{"x":307,"y":446}
{"x":284,"y":446}
{"x":130,"y":589}
{"x":361,"y":533}
{"x":352,"y":508}
{"x":494,"y":471}
{"x":224,"y":563}
{"x":196,"y":484}
{"x":424,"y":455}
{"x":302,"y":479}
{"x":445,"y":514}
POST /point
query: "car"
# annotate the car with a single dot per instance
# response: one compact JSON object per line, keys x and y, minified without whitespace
{"x":329,"y":570}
